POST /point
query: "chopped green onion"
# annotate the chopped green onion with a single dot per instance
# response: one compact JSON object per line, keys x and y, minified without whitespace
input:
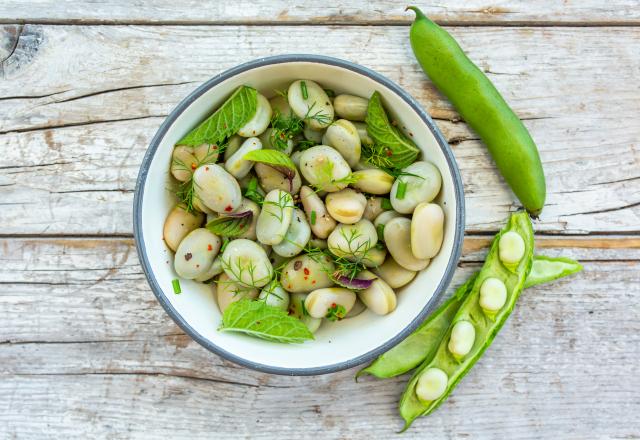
{"x":313,"y":217}
{"x":303,"y":87}
{"x":386,"y":204}
{"x":402,"y":189}
{"x":380,"y":231}
{"x":176,"y":286}
{"x":330,"y":93}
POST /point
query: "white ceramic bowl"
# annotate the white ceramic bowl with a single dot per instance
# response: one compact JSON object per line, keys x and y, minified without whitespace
{"x":338,"y":345}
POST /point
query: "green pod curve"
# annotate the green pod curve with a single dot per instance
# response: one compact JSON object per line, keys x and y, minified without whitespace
{"x":422,"y":343}
{"x":483,"y":108}
{"x":410,"y":406}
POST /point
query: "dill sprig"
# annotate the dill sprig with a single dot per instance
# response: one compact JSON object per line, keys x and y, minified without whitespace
{"x":239,"y":271}
{"x":284,"y":129}
{"x":378,"y":156}
{"x":320,"y":117}
{"x":327,"y":180}
{"x":284,"y":201}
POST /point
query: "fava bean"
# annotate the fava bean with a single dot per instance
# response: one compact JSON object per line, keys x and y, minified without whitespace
{"x":493,"y":295}
{"x":422,"y":183}
{"x":178,"y":224}
{"x":214,"y":269}
{"x":323,"y":302}
{"x":236,"y":165}
{"x":357,"y":309}
{"x":196,"y":253}
{"x":233,"y":145}
{"x":312,"y":135}
{"x":247,"y":263}
{"x":296,"y":309}
{"x":511,"y":248}
{"x":216,"y":188}
{"x":321,"y":222}
{"x":280,"y":104}
{"x":310,"y":102}
{"x":431,"y":385}
{"x":363,"y":134}
{"x":353,"y":241}
{"x":462,"y":337}
{"x":228,"y":291}
{"x":343,"y":136}
{"x":351,"y":107}
{"x":373,"y":181}
{"x":249,"y":205}
{"x":267,"y":142}
{"x":206,"y":153}
{"x":324,"y":168}
{"x":397,"y":237}
{"x":427,"y":230}
{"x":275,"y":217}
{"x":379,"y":297}
{"x":374,"y":208}
{"x":296,"y":238}
{"x":346,"y":206}
{"x":271,"y":179}
{"x":303,"y":273}
{"x":375,"y":257}
{"x":394,"y":274}
{"x":275,"y":296}
{"x":260,"y":121}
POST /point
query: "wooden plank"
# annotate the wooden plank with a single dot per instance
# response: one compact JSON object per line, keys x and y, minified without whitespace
{"x":310,"y":12}
{"x":71,"y":154}
{"x":86,"y":351}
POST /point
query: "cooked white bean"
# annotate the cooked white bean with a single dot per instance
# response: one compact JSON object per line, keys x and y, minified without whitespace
{"x":427,"y":230}
{"x":295,"y":158}
{"x":374,"y":208}
{"x":316,"y":107}
{"x":196,"y":253}
{"x":382,"y":219}
{"x":214,"y":269}
{"x":250,"y":205}
{"x":311,"y":134}
{"x":375,"y":257}
{"x":178,"y":224}
{"x":296,"y":308}
{"x":379,"y":297}
{"x":267,"y":142}
{"x":246,"y":262}
{"x":493,"y":294}
{"x":199,"y":206}
{"x":304,"y":273}
{"x":183,"y":162}
{"x":321,"y":222}
{"x":319,"y":243}
{"x":275,"y":217}
{"x":511,"y":247}
{"x":260,"y":120}
{"x":297,"y":236}
{"x":324,"y":302}
{"x":353,"y":241}
{"x":343,"y":136}
{"x":395,"y":275}
{"x":346,"y":206}
{"x":324,"y":168}
{"x":351,"y":107}
{"x":432,"y":384}
{"x":280,"y":104}
{"x":418,"y":189}
{"x":365,"y":139}
{"x":206,"y":153}
{"x":236,"y":165}
{"x":373,"y":181}
{"x":364,"y":165}
{"x":463,"y":335}
{"x":233,"y":144}
{"x":216,"y":188}
{"x":357,"y":309}
{"x":397,"y":237}
{"x":270,"y":179}
{"x":275,"y":296}
{"x":228,"y":291}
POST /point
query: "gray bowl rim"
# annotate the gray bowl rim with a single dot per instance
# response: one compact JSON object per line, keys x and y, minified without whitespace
{"x":299,"y":58}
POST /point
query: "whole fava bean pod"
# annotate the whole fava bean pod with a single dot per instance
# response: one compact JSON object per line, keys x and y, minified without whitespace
{"x":280,"y":104}
{"x":267,"y":143}
{"x":353,"y":241}
{"x":250,"y":205}
{"x":319,"y":219}
{"x":427,"y":230}
{"x":422,"y":182}
{"x":275,"y":296}
{"x":379,"y":297}
{"x":357,"y":309}
{"x":228,"y":291}
{"x":375,"y":257}
{"x":260,"y":121}
{"x":346,"y":206}
{"x":196,"y":253}
{"x":373,"y":181}
{"x":217,"y":189}
{"x":461,"y":340}
{"x":271,"y":179}
{"x":394,"y":274}
{"x":312,"y":134}
{"x":296,"y":238}
{"x":545,"y":269}
{"x":324,"y":168}
{"x":511,"y":249}
{"x":322,"y":303}
{"x":178,"y":224}
{"x":275,"y":217}
{"x":432,"y":384}
{"x":206,"y":153}
{"x":236,"y":165}
{"x":351,"y":107}
{"x":413,"y":405}
{"x":310,"y":102}
{"x":233,"y":144}
{"x":183,"y":163}
{"x":305,"y":273}
{"x":214,"y":269}
{"x":374,"y":208}
{"x":483,"y":108}
{"x":493,"y":296}
{"x":296,"y":309}
{"x":363,"y":134}
{"x":247,"y":263}
{"x":397,"y":237}
{"x":343,"y":136}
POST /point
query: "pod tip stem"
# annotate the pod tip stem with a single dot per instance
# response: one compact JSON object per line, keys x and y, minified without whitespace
{"x":415,"y":9}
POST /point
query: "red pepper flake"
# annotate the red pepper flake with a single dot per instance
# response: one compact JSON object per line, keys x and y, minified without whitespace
{"x":229,"y":208}
{"x":193,"y":166}
{"x":209,"y":247}
{"x":188,"y":256}
{"x":334,"y":305}
{"x":215,"y":147}
{"x":389,"y":152}
{"x":313,"y":282}
{"x":289,"y":286}
{"x":306,"y":278}
{"x":306,"y":271}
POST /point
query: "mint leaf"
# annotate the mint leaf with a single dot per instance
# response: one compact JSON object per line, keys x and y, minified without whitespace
{"x":236,"y":111}
{"x":231,"y":225}
{"x":276,"y":159}
{"x":403,"y":151}
{"x":255,"y":318}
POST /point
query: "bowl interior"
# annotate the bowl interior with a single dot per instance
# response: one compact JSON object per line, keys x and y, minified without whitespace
{"x":338,"y":345}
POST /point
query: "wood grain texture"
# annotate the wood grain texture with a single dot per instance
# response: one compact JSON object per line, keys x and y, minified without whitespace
{"x":82,"y":102}
{"x":262,"y":12}
{"x":86,"y":351}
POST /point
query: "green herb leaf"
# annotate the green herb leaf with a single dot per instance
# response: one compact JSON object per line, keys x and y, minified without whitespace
{"x":227,"y":120}
{"x":176,"y":286}
{"x":402,"y":190}
{"x":255,"y":318}
{"x":403,"y":151}
{"x":252,"y":192}
{"x":231,"y":225}
{"x":274,"y":158}
{"x":336,"y":312}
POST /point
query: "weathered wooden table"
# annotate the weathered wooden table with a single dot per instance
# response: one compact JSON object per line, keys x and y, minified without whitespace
{"x":86,"y":351}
